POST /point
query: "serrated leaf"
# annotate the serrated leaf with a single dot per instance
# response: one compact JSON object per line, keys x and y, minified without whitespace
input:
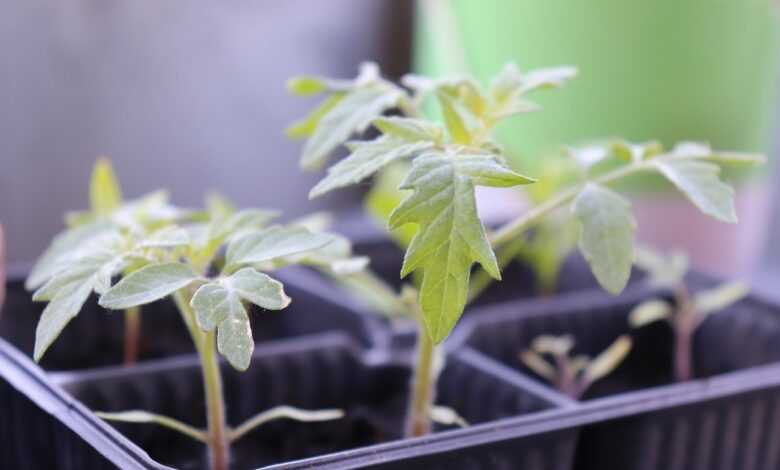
{"x":218,"y":305}
{"x":271,"y":243}
{"x":105,"y":196}
{"x":409,"y":129}
{"x":66,"y":247}
{"x":649,"y":312}
{"x":720,"y":297}
{"x":150,"y":283}
{"x":607,"y":235}
{"x":700,"y":182}
{"x":366,"y":159}
{"x":450,"y":236}
{"x":351,"y":114}
{"x":258,"y":288}
{"x":608,"y":360}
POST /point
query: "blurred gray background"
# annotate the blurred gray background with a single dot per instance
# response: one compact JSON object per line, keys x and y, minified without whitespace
{"x":190,"y":98}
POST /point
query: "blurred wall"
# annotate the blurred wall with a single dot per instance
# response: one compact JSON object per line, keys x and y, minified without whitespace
{"x":185,"y":95}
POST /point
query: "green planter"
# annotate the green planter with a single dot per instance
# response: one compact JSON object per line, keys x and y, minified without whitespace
{"x":661,"y":69}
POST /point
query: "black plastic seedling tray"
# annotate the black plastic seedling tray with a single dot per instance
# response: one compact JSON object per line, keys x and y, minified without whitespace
{"x":727,"y":418}
{"x":94,"y":338}
{"x":324,"y":371}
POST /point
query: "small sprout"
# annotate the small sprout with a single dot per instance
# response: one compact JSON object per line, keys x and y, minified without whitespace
{"x":210,"y":262}
{"x":550,"y":357}
{"x":688,"y":312}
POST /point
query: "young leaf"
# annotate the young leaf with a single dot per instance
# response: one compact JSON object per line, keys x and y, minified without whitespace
{"x":166,"y":237}
{"x":720,"y":297}
{"x":662,"y":270}
{"x":409,"y":129}
{"x":699,"y":181}
{"x":455,"y":118}
{"x":271,"y":243}
{"x":150,"y":283}
{"x":218,"y":305}
{"x":306,"y":126}
{"x":66,"y":247}
{"x":366,"y":159}
{"x":554,"y":77}
{"x":450,"y":237}
{"x":105,"y":196}
{"x":351,"y":114}
{"x":58,"y":313}
{"x":648,"y":312}
{"x":607,"y":236}
{"x":608,"y":360}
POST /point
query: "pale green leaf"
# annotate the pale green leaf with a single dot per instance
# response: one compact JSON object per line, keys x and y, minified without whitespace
{"x":241,"y":221}
{"x":352,"y":114}
{"x":166,"y":237}
{"x":314,"y":222}
{"x":648,"y":312}
{"x":66,"y":247}
{"x":409,"y":129}
{"x":450,"y":236}
{"x":506,"y":85}
{"x":306,"y":126}
{"x":140,"y":416}
{"x":700,"y":182}
{"x":105,"y":196}
{"x":720,"y":297}
{"x":455,"y":119}
{"x":607,"y":235}
{"x":555,"y":345}
{"x":257,"y":288}
{"x":148,"y":284}
{"x":271,"y":243}
{"x":306,"y":85}
{"x":58,"y":313}
{"x":630,"y":152}
{"x":385,"y":196}
{"x":335,"y":257}
{"x":213,"y":303}
{"x":738,"y":159}
{"x":366,"y":159}
{"x":538,"y":364}
{"x":447,"y":416}
{"x":234,"y":341}
{"x":662,"y":270}
{"x":588,"y":156}
{"x":547,"y":78}
{"x":608,"y":360}
{"x":218,"y":206}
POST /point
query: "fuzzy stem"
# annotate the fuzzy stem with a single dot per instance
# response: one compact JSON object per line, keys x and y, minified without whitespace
{"x":418,"y":421}
{"x":219,"y":444}
{"x":132,"y":335}
{"x":218,"y":432}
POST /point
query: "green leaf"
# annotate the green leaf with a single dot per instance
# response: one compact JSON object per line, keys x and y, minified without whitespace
{"x":66,"y":247}
{"x":218,"y":206}
{"x":607,"y":235}
{"x":366,"y":159}
{"x":68,"y":290}
{"x":608,"y":360}
{"x":166,"y":237}
{"x":554,"y":77}
{"x":58,"y":313}
{"x":218,"y":305}
{"x":720,"y":297}
{"x":105,"y":196}
{"x":409,"y":129}
{"x":351,"y":114}
{"x":336,"y":257}
{"x":648,"y":312}
{"x":662,"y":270}
{"x":274,"y":242}
{"x":148,"y":284}
{"x":636,"y":153}
{"x":306,"y":127}
{"x":241,"y":221}
{"x":455,"y":118}
{"x":699,"y":181}
{"x":385,"y":196}
{"x":450,"y":237}
{"x":306,"y":85}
